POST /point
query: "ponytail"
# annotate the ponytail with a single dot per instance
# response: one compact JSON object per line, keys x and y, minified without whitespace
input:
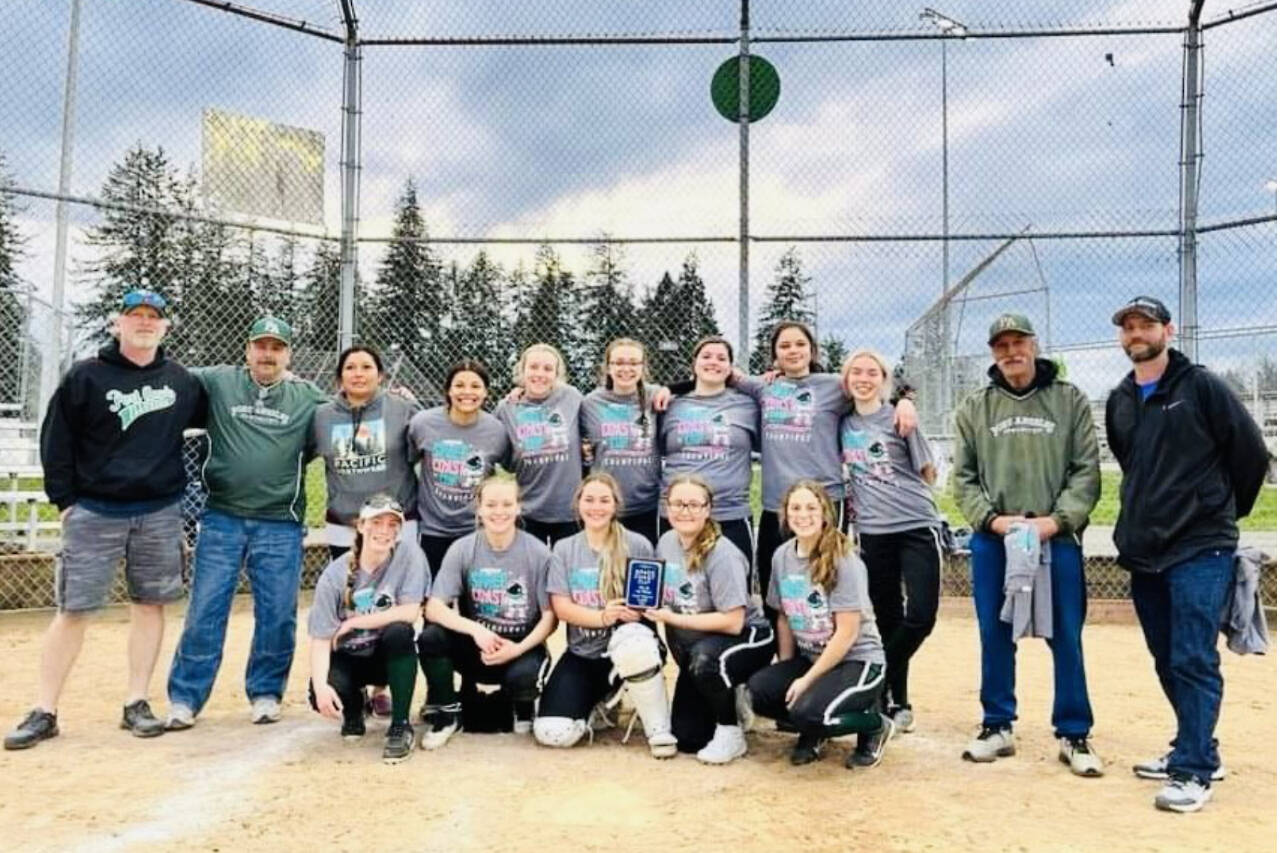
{"x":702,"y":546}
{"x":353,"y":564}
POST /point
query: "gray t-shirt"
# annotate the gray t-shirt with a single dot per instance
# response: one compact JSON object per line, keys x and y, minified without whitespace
{"x":365,"y":451}
{"x":454,"y":461}
{"x":403,"y":579}
{"x":546,"y":450}
{"x":624,"y":441}
{"x":713,"y":438}
{"x":576,"y":573}
{"x":883,"y":470}
{"x":799,"y":433}
{"x":505,"y":591}
{"x":810,"y":610}
{"x":719,"y":585}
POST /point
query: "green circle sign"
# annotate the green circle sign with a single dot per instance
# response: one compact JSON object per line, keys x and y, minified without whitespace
{"x":762,"y":78}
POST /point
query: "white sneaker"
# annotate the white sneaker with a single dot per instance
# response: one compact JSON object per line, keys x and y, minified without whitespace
{"x":663,"y":745}
{"x":1183,"y":794}
{"x":1158,"y":768}
{"x":522,"y":727}
{"x":726,"y":744}
{"x":990,"y":744}
{"x":742,"y":705}
{"x":265,"y":709}
{"x":904,"y":720}
{"x":180,"y":717}
{"x":440,"y":727}
{"x":1077,"y":753}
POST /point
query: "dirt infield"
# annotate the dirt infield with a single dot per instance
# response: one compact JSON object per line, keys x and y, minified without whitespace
{"x":228,"y":785}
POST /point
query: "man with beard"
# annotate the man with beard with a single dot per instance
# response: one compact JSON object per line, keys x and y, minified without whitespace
{"x":259,"y":444}
{"x":1026,"y":467}
{"x":1193,"y":463}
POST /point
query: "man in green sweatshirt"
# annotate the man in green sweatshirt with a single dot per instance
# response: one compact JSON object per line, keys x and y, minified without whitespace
{"x":259,"y":444}
{"x":1026,"y":452}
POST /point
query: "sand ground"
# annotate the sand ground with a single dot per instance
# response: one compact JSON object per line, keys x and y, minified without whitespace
{"x":229,"y":785}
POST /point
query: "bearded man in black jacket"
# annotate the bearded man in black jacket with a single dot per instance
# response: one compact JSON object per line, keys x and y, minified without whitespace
{"x":111,"y":449}
{"x":1193,"y":462}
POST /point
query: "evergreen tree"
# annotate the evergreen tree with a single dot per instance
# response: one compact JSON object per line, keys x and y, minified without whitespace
{"x":832,"y":352}
{"x":480,"y":329}
{"x":606,"y":309}
{"x":786,"y":299}
{"x":675,"y":315}
{"x":317,"y":326}
{"x":548,"y":317}
{"x":278,"y":290}
{"x":16,"y":351}
{"x":407,"y":305}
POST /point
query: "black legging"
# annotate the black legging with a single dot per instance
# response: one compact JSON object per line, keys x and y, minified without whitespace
{"x":350,"y":674}
{"x":644,"y":523}
{"x":519,"y":678}
{"x":435,"y":547}
{"x":576,"y":684}
{"x":842,"y":700}
{"x":911,"y":558}
{"x":709,"y":670}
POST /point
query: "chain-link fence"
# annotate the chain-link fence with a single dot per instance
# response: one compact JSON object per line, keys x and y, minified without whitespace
{"x":475,"y":181}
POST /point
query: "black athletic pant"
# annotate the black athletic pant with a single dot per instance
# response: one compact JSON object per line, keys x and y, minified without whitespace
{"x":644,"y":523}
{"x":849,"y":687}
{"x":910,"y":559}
{"x":350,"y":674}
{"x":576,"y":684}
{"x":737,"y":531}
{"x":709,"y":670}
{"x":435,"y":547}
{"x":519,"y":678}
{"x":550,"y":532}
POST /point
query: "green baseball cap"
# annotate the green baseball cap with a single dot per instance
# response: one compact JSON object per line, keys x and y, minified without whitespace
{"x":271,"y":327}
{"x":1011,"y":322}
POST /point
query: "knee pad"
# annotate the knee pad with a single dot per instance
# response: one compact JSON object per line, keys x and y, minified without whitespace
{"x":634,"y":651}
{"x":559,"y":732}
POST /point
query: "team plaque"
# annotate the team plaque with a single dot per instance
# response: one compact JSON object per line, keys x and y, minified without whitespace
{"x":644,"y":583}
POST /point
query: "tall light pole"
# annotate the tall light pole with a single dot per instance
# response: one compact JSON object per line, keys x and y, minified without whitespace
{"x":950,"y":28}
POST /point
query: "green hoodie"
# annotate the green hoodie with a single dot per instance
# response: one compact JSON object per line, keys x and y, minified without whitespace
{"x":1034,"y":451}
{"x":259,"y":443}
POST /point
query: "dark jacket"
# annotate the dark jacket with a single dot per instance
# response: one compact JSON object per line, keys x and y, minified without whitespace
{"x":1193,"y":462}
{"x":113,"y":430}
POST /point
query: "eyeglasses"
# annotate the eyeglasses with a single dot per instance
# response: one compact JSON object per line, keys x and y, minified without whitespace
{"x":689,"y":506}
{"x":626,"y":363}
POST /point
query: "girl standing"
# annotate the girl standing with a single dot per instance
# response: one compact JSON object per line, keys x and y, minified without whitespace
{"x":361,"y":625}
{"x":830,"y":668}
{"x":459,"y":444}
{"x":717,"y":636}
{"x":488,"y":614}
{"x":899,"y":528}
{"x":604,"y":635}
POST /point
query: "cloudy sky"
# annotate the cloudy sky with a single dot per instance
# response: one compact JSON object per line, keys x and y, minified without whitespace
{"x":1061,"y":134}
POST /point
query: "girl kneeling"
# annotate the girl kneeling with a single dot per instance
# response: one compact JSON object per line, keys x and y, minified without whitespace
{"x":496,"y":634}
{"x":586,"y":587}
{"x":830,"y":670}
{"x":361,"y":626}
{"x":717,"y":634}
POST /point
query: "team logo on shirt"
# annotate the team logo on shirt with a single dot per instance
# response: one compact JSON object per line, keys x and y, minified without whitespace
{"x":584,"y":590}
{"x":366,"y":600}
{"x":866,"y":457}
{"x":542,"y":433}
{"x":131,"y":405}
{"x":702,"y":432}
{"x":456,"y":469}
{"x":787,"y":410}
{"x":808,"y":612}
{"x":498,"y":600}
{"x":359,"y":448}
{"x":1023,"y":424}
{"x":627,"y":440}
{"x":679,"y":590}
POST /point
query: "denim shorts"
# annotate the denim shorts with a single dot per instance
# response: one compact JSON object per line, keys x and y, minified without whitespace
{"x":93,"y":545}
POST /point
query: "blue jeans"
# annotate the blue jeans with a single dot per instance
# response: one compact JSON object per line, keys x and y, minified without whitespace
{"x":271,"y":552}
{"x":1072,"y":716}
{"x":1180,"y":610}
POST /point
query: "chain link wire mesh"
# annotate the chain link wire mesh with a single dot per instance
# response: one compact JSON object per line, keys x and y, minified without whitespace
{"x":555,"y":172}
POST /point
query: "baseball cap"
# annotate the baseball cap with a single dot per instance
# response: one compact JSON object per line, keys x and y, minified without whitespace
{"x":271,"y":327}
{"x":1147,"y":306}
{"x":381,"y":505}
{"x":138,"y":298}
{"x":1011,"y":322}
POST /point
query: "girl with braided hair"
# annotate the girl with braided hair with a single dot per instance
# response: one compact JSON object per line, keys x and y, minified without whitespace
{"x":361,"y":626}
{"x":717,"y":633}
{"x":609,"y":646}
{"x":830,"y":670}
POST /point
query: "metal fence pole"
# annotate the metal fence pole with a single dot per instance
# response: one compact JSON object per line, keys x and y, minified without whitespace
{"x":1188,"y":322}
{"x":744,"y":159}
{"x":351,"y":107}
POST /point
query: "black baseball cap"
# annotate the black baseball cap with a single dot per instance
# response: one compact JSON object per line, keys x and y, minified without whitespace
{"x":1147,"y":306}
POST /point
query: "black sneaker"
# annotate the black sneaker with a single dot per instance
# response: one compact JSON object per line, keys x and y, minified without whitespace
{"x":870,"y":749}
{"x":36,"y":726}
{"x":786,"y":726}
{"x":139,"y":720}
{"x":807,"y":750}
{"x":399,"y":745}
{"x":352,"y":730}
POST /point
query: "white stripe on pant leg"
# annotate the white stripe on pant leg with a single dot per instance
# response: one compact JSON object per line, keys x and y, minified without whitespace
{"x":862,"y":686}
{"x":751,"y":643}
{"x":937,"y":546}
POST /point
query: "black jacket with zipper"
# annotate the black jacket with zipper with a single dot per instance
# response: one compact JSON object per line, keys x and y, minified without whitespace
{"x":1193,"y":462}
{"x":113,"y":430}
